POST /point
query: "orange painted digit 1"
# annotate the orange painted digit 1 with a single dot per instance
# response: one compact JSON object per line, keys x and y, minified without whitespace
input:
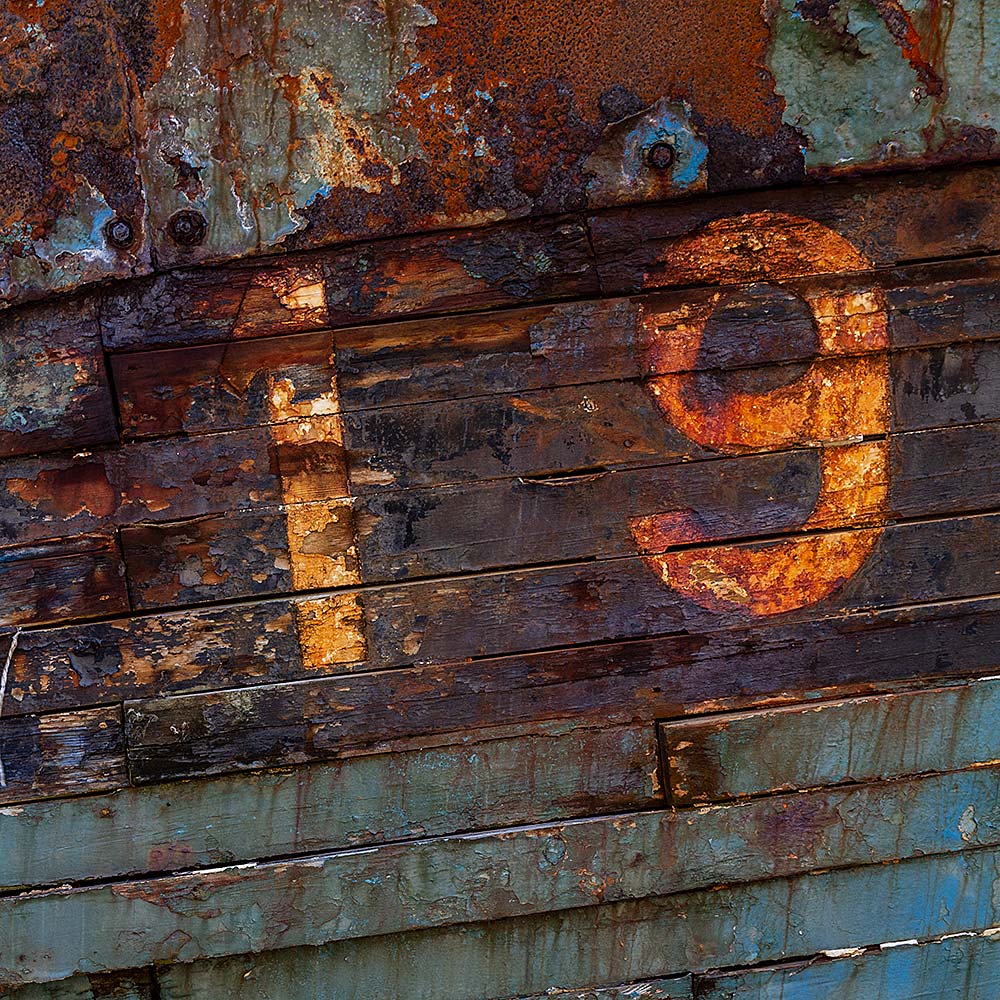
{"x":839,"y":405}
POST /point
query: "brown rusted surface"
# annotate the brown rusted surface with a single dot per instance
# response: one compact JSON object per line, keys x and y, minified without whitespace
{"x":297,"y":124}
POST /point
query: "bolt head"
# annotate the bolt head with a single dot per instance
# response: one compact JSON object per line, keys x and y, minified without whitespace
{"x":187,"y":227}
{"x":661,"y":155}
{"x":119,"y":233}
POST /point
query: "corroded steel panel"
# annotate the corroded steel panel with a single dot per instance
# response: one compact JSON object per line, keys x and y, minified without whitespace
{"x":142,"y":132}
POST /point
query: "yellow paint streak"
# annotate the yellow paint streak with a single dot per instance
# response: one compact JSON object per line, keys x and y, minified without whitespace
{"x":331,"y":631}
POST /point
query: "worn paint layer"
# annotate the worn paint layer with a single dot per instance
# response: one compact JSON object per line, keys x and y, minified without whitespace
{"x":300,"y":123}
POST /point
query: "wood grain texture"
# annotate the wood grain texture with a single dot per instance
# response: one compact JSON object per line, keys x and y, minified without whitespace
{"x":855,"y":740}
{"x":201,"y":734}
{"x":228,"y":646}
{"x":517,"y":872}
{"x":224,"y":386}
{"x":559,"y":773}
{"x":441,"y":273}
{"x":762,"y":922}
{"x":62,"y":754}
{"x":888,"y":219}
{"x":962,"y":968}
{"x":61,"y":579}
{"x":196,"y":305}
{"x":54,"y":391}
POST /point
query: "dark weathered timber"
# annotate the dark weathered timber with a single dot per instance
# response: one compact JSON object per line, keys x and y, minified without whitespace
{"x":441,"y":531}
{"x":958,"y":384}
{"x":855,"y":740}
{"x":562,"y":772}
{"x":220,"y":386}
{"x":764,"y":921}
{"x":194,"y":305}
{"x":457,"y":271}
{"x":450,"y":272}
{"x":61,"y":754}
{"x":223,"y":647}
{"x":78,"y":577}
{"x":54,"y":391}
{"x":223,"y":386}
{"x":135,"y":985}
{"x":170,"y":480}
{"x":958,"y":968}
{"x":888,"y":219}
{"x":242,"y":554}
{"x":648,"y":679}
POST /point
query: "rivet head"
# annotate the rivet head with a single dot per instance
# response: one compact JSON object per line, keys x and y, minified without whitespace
{"x":187,"y":227}
{"x":661,"y":155}
{"x":119,"y":233}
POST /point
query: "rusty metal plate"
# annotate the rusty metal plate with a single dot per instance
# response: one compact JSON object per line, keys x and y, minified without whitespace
{"x":142,"y":133}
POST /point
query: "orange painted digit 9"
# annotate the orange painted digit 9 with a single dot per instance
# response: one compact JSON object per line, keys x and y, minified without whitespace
{"x":839,"y":404}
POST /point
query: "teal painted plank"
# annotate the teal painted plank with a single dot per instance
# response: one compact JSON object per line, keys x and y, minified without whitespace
{"x":136,"y":985}
{"x":674,"y":988}
{"x":489,"y":876}
{"x":859,"y":739}
{"x":964,"y":968}
{"x":622,"y":942}
{"x":361,"y":800}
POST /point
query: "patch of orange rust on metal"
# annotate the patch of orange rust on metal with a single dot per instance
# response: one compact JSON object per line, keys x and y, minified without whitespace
{"x":594,"y":51}
{"x":837,"y":399}
{"x":331,"y":631}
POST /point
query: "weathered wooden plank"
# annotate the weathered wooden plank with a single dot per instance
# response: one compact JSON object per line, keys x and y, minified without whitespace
{"x":445,"y":272}
{"x":71,"y":753}
{"x":224,"y":647}
{"x":956,"y":968}
{"x":172,"y":479}
{"x":860,"y":739}
{"x":674,"y":988}
{"x":512,"y":522}
{"x":308,"y":546}
{"x":195,"y":305}
{"x":226,"y":385}
{"x":887,"y":220}
{"x":64,"y":578}
{"x":630,"y":941}
{"x":197,"y":734}
{"x":438,"y":531}
{"x":54,"y":391}
{"x":615,"y":942}
{"x":560,"y":773}
{"x":455,"y":271}
{"x":962,"y":380}
{"x":474,"y":616}
{"x":135,"y":985}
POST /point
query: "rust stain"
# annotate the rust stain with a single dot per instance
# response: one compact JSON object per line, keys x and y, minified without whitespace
{"x":838,"y":400}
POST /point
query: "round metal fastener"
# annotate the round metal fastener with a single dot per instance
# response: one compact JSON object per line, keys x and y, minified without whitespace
{"x":187,"y":227}
{"x":661,"y":155}
{"x":119,"y":233}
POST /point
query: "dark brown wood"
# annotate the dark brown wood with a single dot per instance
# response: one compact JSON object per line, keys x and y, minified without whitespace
{"x":447,"y":272}
{"x":78,"y":577}
{"x":222,"y":647}
{"x":54,"y":392}
{"x":310,"y":546}
{"x":61,"y":754}
{"x":641,"y":680}
{"x":889,"y":220}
